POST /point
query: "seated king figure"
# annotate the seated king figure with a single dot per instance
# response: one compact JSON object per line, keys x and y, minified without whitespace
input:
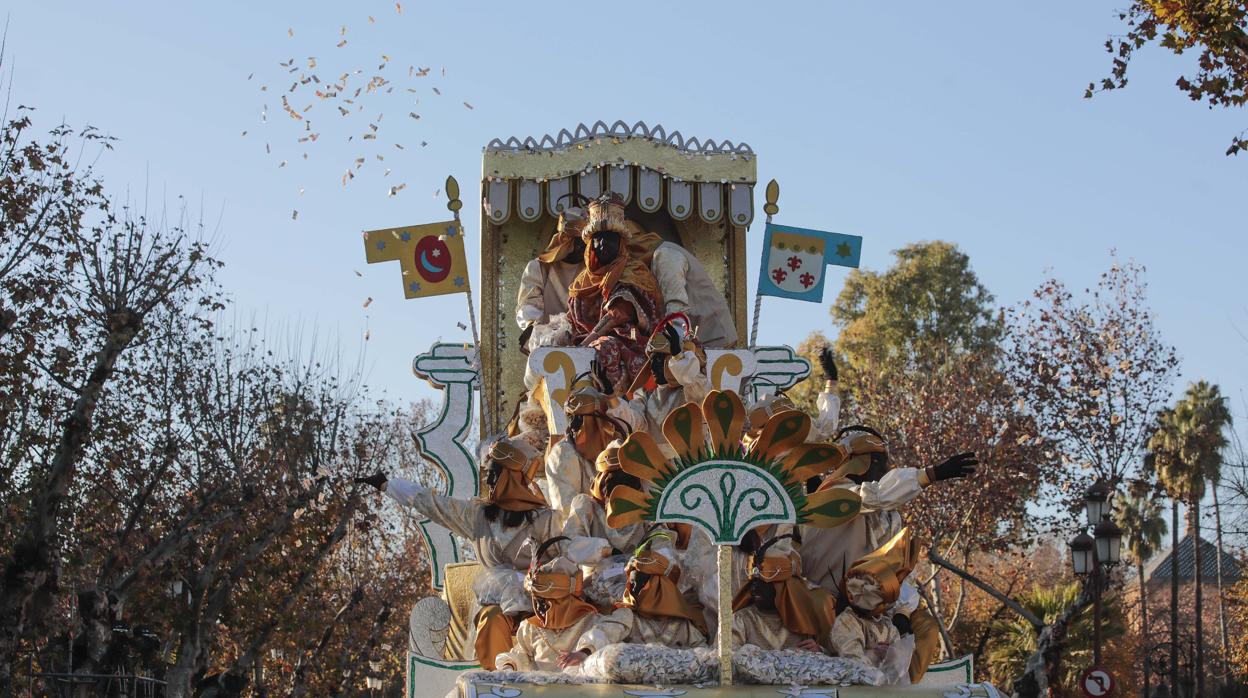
{"x":614,"y":303}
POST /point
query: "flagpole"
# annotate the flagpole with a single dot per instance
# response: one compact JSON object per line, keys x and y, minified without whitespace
{"x":771,"y":209}
{"x":454,"y":204}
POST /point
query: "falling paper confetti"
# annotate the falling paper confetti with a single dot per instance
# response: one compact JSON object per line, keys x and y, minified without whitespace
{"x":294,"y":215}
{"x":368,"y":301}
{"x":461,"y":325}
{"x":359,"y":94}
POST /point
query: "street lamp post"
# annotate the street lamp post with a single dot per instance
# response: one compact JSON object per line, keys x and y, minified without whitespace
{"x":1092,"y":555}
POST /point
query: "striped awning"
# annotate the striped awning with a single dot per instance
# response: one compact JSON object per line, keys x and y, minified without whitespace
{"x":712,"y":180}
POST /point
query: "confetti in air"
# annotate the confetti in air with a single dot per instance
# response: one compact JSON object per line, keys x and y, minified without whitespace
{"x":353,"y":86}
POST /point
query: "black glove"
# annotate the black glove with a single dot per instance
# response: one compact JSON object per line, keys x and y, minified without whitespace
{"x":525,"y":334}
{"x":377,"y":480}
{"x":961,"y":465}
{"x":826,"y":362}
{"x":902,"y":623}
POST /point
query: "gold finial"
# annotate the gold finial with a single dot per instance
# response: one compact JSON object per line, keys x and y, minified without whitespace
{"x":452,"y":192}
{"x":773,"y":195}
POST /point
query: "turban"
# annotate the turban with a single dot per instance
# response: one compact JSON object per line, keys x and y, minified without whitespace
{"x":571,"y":223}
{"x":512,"y":490}
{"x":556,"y":588}
{"x":659,"y":596}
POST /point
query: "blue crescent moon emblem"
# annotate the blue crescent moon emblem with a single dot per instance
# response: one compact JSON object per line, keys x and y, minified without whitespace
{"x":424,"y":262}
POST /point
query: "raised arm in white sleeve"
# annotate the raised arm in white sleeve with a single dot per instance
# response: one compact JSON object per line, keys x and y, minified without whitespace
{"x":829,"y":417}
{"x":529,"y":304}
{"x":461,"y":516}
{"x":893,"y":491}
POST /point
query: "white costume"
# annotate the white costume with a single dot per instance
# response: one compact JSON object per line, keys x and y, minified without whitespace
{"x":567,"y":476}
{"x":688,"y":289}
{"x":592,"y":538}
{"x":496,"y":546}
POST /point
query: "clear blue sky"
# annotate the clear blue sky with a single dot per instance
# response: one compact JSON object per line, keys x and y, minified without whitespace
{"x":898,"y":124}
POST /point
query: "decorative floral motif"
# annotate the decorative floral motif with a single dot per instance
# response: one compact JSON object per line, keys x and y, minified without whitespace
{"x":779,"y":275}
{"x":723,"y":488}
{"x":795,"y":262}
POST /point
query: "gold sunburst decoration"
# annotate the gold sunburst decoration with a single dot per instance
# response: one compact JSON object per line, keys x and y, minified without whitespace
{"x":715,"y":483}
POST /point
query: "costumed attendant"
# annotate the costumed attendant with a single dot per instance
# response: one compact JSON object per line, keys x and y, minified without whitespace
{"x":542,"y":300}
{"x":614,"y":301}
{"x":671,"y":376}
{"x":498,"y":527}
{"x":564,"y":628}
{"x":829,"y":553}
{"x":776,"y":609}
{"x":865,"y":632}
{"x":653,"y":605}
{"x":569,"y":468}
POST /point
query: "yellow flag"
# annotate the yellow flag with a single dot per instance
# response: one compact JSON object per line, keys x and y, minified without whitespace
{"x":430,"y":255}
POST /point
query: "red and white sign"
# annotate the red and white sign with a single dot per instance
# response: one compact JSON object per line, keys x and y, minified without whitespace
{"x":1096,"y":682}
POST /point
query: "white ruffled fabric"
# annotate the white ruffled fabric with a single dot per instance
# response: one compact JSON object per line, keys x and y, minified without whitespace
{"x":752,"y":664}
{"x":651,"y":664}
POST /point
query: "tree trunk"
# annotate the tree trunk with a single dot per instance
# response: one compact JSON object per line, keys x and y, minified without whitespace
{"x":1226,"y":643}
{"x":1144,"y":640}
{"x":29,"y":583}
{"x":180,"y":678}
{"x":1042,"y":672}
{"x":1174,"y":597}
{"x":1200,"y":625}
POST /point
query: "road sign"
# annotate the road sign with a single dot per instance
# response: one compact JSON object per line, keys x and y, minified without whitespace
{"x":1096,"y":682}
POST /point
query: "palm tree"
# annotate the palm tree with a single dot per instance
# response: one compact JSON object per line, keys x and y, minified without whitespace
{"x":1138,"y":513}
{"x":1014,"y":639}
{"x":1187,"y":452}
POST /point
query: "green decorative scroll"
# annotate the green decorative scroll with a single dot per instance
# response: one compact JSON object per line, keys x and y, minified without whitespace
{"x":726,"y":498}
{"x":449,"y":367}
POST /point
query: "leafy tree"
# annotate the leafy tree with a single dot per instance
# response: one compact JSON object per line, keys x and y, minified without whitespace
{"x":1014,"y":641}
{"x":161,"y":471}
{"x":1092,"y":371}
{"x":1187,"y":453}
{"x":927,"y":306}
{"x":1218,"y":29}
{"x":1138,"y":513}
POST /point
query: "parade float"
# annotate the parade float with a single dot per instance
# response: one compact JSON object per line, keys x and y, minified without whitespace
{"x":624,"y":409}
